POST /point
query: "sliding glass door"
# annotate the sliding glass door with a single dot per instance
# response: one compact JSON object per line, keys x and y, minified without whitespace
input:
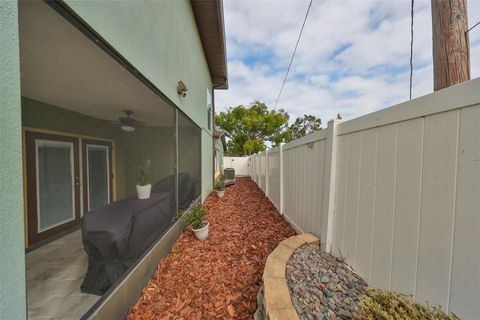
{"x":97,"y":174}
{"x":53,"y":184}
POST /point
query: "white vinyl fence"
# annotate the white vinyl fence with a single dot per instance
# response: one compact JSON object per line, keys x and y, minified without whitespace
{"x":397,"y":192}
{"x":240,"y":164}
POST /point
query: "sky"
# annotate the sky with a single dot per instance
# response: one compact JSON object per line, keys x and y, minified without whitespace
{"x":353,"y":57}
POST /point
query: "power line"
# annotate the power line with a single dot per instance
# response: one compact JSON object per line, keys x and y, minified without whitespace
{"x":411,"y":48}
{"x":294,"y":52}
{"x":476,"y":24}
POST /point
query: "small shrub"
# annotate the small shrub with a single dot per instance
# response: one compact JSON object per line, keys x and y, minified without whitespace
{"x":144,"y":172}
{"x":195,"y":216}
{"x":387,"y":305}
{"x":220,"y":185}
{"x":341,"y":257}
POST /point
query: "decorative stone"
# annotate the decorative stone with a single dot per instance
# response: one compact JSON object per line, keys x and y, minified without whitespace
{"x":321,"y":286}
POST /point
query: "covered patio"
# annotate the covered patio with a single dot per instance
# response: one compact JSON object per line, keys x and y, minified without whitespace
{"x":88,"y":124}
{"x":218,"y":278}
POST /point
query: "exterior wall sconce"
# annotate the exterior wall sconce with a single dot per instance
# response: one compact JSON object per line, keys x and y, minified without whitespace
{"x":182,"y":89}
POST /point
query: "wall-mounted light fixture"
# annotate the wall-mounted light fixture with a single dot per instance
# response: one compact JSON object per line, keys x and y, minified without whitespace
{"x":182,"y":89}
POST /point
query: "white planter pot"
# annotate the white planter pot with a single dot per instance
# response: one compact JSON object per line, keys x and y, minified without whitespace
{"x":143,"y":192}
{"x":220,"y":194}
{"x":202,"y":233}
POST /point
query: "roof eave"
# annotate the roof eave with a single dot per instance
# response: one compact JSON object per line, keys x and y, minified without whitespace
{"x":210,"y":24}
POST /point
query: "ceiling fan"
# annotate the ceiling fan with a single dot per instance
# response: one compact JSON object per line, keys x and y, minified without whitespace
{"x":128,"y":123}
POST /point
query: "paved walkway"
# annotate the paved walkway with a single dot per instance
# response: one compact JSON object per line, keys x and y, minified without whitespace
{"x":218,"y":278}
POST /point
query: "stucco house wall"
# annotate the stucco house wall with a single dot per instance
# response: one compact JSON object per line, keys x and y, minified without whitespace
{"x":12,"y":259}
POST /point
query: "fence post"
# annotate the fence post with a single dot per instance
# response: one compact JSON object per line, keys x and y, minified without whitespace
{"x":266,"y":173}
{"x":281,"y":178}
{"x":329,"y":185}
{"x":254,"y":168}
{"x":257,"y":168}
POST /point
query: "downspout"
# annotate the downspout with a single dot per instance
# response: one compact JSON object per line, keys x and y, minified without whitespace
{"x":214,"y":125}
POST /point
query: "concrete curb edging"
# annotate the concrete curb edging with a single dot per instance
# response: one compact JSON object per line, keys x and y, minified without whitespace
{"x":277,"y":301}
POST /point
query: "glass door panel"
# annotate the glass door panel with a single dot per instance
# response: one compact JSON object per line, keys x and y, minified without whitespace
{"x":55,"y":183}
{"x":97,"y":174}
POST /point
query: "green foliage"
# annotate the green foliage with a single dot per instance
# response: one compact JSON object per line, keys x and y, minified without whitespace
{"x":303,"y":126}
{"x":386,"y":305}
{"x":144,"y":172}
{"x":251,"y":146}
{"x":249,"y":127}
{"x":219,"y":185}
{"x":174,"y":253}
{"x":195,"y":216}
{"x":341,"y":257}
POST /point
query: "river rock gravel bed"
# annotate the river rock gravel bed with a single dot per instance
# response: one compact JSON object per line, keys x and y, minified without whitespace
{"x":321,"y":286}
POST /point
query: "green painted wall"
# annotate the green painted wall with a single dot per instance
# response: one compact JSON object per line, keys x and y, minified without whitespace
{"x":12,"y":258}
{"x":160,"y":38}
{"x":40,"y":115}
{"x":207,"y":164}
{"x":157,"y":144}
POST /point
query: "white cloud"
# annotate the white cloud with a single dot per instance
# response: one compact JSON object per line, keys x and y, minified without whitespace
{"x":353,"y":57}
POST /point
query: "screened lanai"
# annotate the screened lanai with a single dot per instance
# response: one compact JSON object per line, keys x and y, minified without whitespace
{"x":85,"y":228}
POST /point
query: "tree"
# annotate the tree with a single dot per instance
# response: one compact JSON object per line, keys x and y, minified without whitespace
{"x":249,"y":127}
{"x":303,"y":126}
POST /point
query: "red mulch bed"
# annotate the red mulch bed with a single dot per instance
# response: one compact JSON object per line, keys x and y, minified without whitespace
{"x":218,"y":278}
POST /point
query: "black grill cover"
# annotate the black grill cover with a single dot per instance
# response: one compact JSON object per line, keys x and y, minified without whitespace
{"x":186,"y":189}
{"x":116,"y":235}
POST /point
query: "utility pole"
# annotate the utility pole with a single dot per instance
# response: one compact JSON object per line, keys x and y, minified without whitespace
{"x":451,"y":52}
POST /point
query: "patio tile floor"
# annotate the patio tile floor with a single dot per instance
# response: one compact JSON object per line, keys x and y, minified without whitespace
{"x":218,"y":278}
{"x":55,"y":272}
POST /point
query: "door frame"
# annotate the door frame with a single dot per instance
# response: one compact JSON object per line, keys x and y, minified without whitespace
{"x":26,"y":203}
{"x":84,"y":142}
{"x":34,"y":234}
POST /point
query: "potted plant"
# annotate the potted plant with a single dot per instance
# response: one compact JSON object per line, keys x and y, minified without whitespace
{"x":220,"y":187}
{"x":143,"y":187}
{"x":195,"y":217}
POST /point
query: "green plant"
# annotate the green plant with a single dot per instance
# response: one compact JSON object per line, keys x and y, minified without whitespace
{"x":341,"y":257}
{"x":219,"y":185}
{"x":144,"y":172}
{"x":388,"y":305}
{"x":195,"y":216}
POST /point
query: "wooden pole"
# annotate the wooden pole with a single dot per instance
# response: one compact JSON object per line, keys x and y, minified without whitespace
{"x":451,"y":56}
